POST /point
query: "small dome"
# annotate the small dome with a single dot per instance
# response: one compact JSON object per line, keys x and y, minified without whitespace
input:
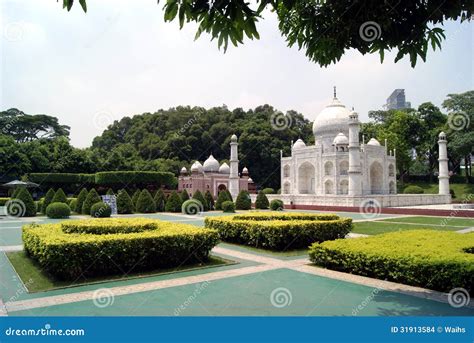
{"x":224,"y":168}
{"x":341,"y":139}
{"x":442,"y":135}
{"x":245,"y":171}
{"x":196,"y":167}
{"x":299,"y":144}
{"x":373,"y":141}
{"x":250,"y":180}
{"x":233,"y":138}
{"x":184,"y":170}
{"x":211,"y":165}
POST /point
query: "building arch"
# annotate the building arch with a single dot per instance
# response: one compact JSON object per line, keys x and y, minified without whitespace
{"x":391,"y":187}
{"x":328,"y":187}
{"x":343,"y":167}
{"x":344,"y":187}
{"x":306,"y":178}
{"x":286,"y":171}
{"x":286,"y":188}
{"x":328,"y":168}
{"x":391,"y":170}
{"x":221,"y":187}
{"x":376,"y":178}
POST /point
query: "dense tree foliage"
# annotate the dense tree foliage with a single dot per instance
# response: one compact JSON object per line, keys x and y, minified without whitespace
{"x":325,"y":29}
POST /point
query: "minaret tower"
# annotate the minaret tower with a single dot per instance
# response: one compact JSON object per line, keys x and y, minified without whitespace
{"x":234,"y":168}
{"x":443,"y":165}
{"x":355,"y":186}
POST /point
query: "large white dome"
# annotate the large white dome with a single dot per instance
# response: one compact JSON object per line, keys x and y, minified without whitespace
{"x":334,"y":118}
{"x":211,"y":165}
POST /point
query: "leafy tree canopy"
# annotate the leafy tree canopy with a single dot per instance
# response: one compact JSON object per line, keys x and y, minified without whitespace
{"x":325,"y":29}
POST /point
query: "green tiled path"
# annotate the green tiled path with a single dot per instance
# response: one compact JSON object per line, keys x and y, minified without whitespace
{"x":260,"y":284}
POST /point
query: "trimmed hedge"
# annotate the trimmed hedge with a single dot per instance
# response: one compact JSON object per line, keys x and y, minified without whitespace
{"x":209,"y":200}
{"x":100,"y":210}
{"x":124,"y":202}
{"x":59,"y":196}
{"x":413,"y":190}
{"x":58,"y":210}
{"x":70,"y":256}
{"x":223,"y":196}
{"x":108,"y":225}
{"x":80,"y":200}
{"x":243,"y":201}
{"x":184,"y":195}
{"x":3,"y":201}
{"x":437,"y":260}
{"x":47,"y":199}
{"x":258,"y":216}
{"x":173,"y":203}
{"x":192,"y":207}
{"x":261,"y":202}
{"x":135,"y":177}
{"x":228,"y":207}
{"x":280,"y":232}
{"x":22,"y":205}
{"x":145,"y":203}
{"x":160,"y":200}
{"x":268,"y":191}
{"x":135,"y":197}
{"x":199,"y":197}
{"x":276,"y":205}
{"x":58,"y":178}
{"x":91,"y":199}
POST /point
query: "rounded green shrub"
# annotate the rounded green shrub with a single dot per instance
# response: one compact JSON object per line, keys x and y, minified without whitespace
{"x":92,"y":198}
{"x":223,"y":196}
{"x":243,"y":201}
{"x":80,"y":200}
{"x":228,"y":207}
{"x":173,"y":204}
{"x":261,"y":202}
{"x":145,"y":203}
{"x":160,"y":200}
{"x":199,"y":197}
{"x":59,"y":196}
{"x":184,"y":195}
{"x":192,"y":207}
{"x":413,"y":190}
{"x":110,"y":191}
{"x":72,"y":204}
{"x":124,"y":202}
{"x":209,"y":200}
{"x":58,"y":210}
{"x":47,"y":199}
{"x":276,"y":205}
{"x":22,"y":205}
{"x":268,"y":191}
{"x":135,"y":197}
{"x":100,"y":210}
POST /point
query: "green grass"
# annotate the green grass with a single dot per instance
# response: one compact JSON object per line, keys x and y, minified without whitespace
{"x":462,"y":222}
{"x":461,"y":190}
{"x":266,"y":252}
{"x":378,"y":227}
{"x":37,"y":280}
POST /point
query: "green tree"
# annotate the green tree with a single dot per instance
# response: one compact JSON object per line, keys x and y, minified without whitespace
{"x":243,"y":201}
{"x":47,"y":199}
{"x":110,"y":191}
{"x":262,"y":201}
{"x":160,"y":200}
{"x":223,"y":196}
{"x":184,"y":195}
{"x":60,"y":196}
{"x":23,"y":205}
{"x":124,"y":202}
{"x":209,"y":200}
{"x":199,"y":197}
{"x":135,"y":197}
{"x":80,"y":200}
{"x":91,"y":199}
{"x":173,"y":203}
{"x":145,"y":203}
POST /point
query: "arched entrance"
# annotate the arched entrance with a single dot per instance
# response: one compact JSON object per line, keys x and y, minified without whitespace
{"x":221,"y":188}
{"x":344,"y":187}
{"x":286,"y":188}
{"x":376,"y":178}
{"x":328,"y":187}
{"x":306,"y":178}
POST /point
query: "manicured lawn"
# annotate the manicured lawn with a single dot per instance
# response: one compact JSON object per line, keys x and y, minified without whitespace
{"x":378,"y":227}
{"x":37,"y":280}
{"x":449,"y":221}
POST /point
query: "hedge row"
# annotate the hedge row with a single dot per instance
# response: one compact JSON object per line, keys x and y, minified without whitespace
{"x":108,"y":225}
{"x":278,"y":234}
{"x":69,"y":256}
{"x":58,"y":178}
{"x":285,"y":216}
{"x":426,"y":258}
{"x":3,"y":201}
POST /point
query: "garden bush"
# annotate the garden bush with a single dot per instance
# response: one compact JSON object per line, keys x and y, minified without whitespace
{"x":47,"y":199}
{"x":100,"y":210}
{"x":199,"y":197}
{"x":229,"y":196}
{"x":228,"y":207}
{"x":80,"y":200}
{"x":268,"y":191}
{"x":70,"y":256}
{"x":3,"y":201}
{"x":184,"y":195}
{"x":59,"y":196}
{"x":173,"y":203}
{"x":413,"y":190}
{"x":256,"y":215}
{"x":141,"y":178}
{"x":39,"y":205}
{"x":145,"y":203}
{"x":243,"y":201}
{"x":437,"y":260}
{"x":209,"y":200}
{"x":223,"y":196}
{"x":280,"y":232}
{"x":61,"y":178}
{"x":72,"y":204}
{"x":22,"y":205}
{"x":135,"y":197}
{"x":276,"y":205}
{"x":91,"y":199}
{"x":110,"y":191}
{"x":192,"y":207}
{"x":261,"y":202}
{"x":160,"y":200}
{"x":58,"y":210}
{"x":109,"y":225}
{"x":124,"y":202}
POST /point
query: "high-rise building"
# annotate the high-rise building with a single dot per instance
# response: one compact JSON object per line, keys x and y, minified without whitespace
{"x":397,"y":101}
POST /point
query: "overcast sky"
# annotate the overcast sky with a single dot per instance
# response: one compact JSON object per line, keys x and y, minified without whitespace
{"x":121,"y":59}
